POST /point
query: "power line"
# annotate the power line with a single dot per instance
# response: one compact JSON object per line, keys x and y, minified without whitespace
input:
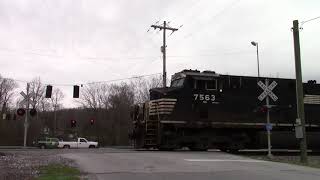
{"x":137,"y":57}
{"x":94,"y":82}
{"x":303,"y":22}
{"x":114,"y":80}
{"x":213,"y":17}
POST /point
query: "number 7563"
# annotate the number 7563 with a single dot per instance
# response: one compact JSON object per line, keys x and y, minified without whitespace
{"x":204,"y":97}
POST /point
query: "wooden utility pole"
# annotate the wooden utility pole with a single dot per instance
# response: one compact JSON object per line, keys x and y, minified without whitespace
{"x":163,"y":48}
{"x":299,"y":93}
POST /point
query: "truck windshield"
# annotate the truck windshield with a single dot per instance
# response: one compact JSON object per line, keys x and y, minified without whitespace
{"x":177,"y":82}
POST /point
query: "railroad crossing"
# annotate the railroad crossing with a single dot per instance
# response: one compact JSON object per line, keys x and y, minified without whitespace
{"x":267,"y":92}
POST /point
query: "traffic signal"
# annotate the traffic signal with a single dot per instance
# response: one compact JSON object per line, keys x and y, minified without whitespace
{"x":48,"y":91}
{"x":91,"y":121}
{"x":73,"y":123}
{"x":33,"y":112}
{"x":75,"y":91}
{"x":21,"y":112}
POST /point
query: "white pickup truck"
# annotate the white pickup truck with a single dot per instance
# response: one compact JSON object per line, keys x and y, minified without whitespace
{"x":81,"y":143}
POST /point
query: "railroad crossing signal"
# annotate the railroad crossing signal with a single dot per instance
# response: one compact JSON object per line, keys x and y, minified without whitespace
{"x":21,"y":111}
{"x":267,"y":91}
{"x":27,"y":98}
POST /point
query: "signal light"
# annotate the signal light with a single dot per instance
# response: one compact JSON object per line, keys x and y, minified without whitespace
{"x":33,"y":112}
{"x":73,"y":123}
{"x":91,"y":121}
{"x":21,"y":112}
{"x":263,"y":109}
{"x":48,"y":91}
{"x":75,"y":91}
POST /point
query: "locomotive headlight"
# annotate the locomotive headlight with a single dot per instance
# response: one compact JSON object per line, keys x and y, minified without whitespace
{"x":220,"y":90}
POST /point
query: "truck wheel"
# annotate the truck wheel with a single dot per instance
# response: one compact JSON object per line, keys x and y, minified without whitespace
{"x":91,"y":146}
{"x":66,"y":147}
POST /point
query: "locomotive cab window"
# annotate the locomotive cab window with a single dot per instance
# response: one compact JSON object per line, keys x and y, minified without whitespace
{"x":205,"y":84}
{"x":201,"y":84}
{"x":211,"y":85}
{"x":177,"y":82}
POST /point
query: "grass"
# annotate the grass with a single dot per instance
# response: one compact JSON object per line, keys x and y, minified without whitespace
{"x":314,"y":161}
{"x":58,"y":172}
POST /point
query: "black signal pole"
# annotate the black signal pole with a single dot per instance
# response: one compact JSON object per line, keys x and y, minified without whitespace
{"x":299,"y":92}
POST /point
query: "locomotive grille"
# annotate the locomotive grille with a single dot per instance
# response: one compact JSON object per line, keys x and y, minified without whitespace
{"x":161,"y":106}
{"x":312,"y":99}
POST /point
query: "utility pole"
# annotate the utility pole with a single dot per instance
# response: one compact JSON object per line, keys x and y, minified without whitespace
{"x":299,"y":92}
{"x":163,"y":48}
{"x":26,"y":118}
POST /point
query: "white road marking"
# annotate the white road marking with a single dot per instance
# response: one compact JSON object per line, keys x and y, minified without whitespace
{"x":223,"y":160}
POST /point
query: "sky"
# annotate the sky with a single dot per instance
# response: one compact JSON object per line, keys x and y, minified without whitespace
{"x":69,"y":42}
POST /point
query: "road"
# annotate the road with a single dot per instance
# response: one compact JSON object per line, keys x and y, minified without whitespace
{"x":183,"y":165}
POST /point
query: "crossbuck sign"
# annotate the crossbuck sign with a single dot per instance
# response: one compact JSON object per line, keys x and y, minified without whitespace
{"x":27,"y":98}
{"x":267,"y":91}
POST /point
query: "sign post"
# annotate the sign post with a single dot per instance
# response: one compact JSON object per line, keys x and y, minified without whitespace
{"x":26,"y":102}
{"x":267,"y":92}
{"x":26,"y":118}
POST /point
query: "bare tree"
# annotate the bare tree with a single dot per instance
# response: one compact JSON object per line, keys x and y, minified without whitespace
{"x":142,"y":87}
{"x":7,"y":87}
{"x":37,"y":88}
{"x":94,"y":96}
{"x":56,"y":98}
{"x":44,"y":104}
{"x":121,"y":99}
{"x":121,"y":95}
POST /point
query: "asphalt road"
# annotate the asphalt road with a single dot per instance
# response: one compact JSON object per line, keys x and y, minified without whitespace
{"x":118,"y":164}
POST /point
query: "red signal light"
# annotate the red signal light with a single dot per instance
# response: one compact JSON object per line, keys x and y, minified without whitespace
{"x":21,"y":111}
{"x":73,"y":123}
{"x":263,"y":109}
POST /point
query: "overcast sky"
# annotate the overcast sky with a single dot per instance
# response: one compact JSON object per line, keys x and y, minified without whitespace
{"x":68,"y":42}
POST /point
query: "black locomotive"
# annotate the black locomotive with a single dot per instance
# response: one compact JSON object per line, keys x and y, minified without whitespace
{"x":202,"y":110}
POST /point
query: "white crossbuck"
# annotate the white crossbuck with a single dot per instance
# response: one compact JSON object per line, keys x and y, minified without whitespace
{"x":267,"y":91}
{"x":26,"y":98}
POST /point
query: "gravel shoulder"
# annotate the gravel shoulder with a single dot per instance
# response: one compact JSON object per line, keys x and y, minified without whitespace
{"x":25,"y":164}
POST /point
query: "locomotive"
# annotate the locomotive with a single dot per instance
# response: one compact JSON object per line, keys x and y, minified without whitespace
{"x":202,"y":110}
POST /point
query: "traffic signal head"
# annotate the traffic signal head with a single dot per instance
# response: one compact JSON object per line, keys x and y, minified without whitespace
{"x":91,"y":121}
{"x":75,"y":91}
{"x":48,"y":91}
